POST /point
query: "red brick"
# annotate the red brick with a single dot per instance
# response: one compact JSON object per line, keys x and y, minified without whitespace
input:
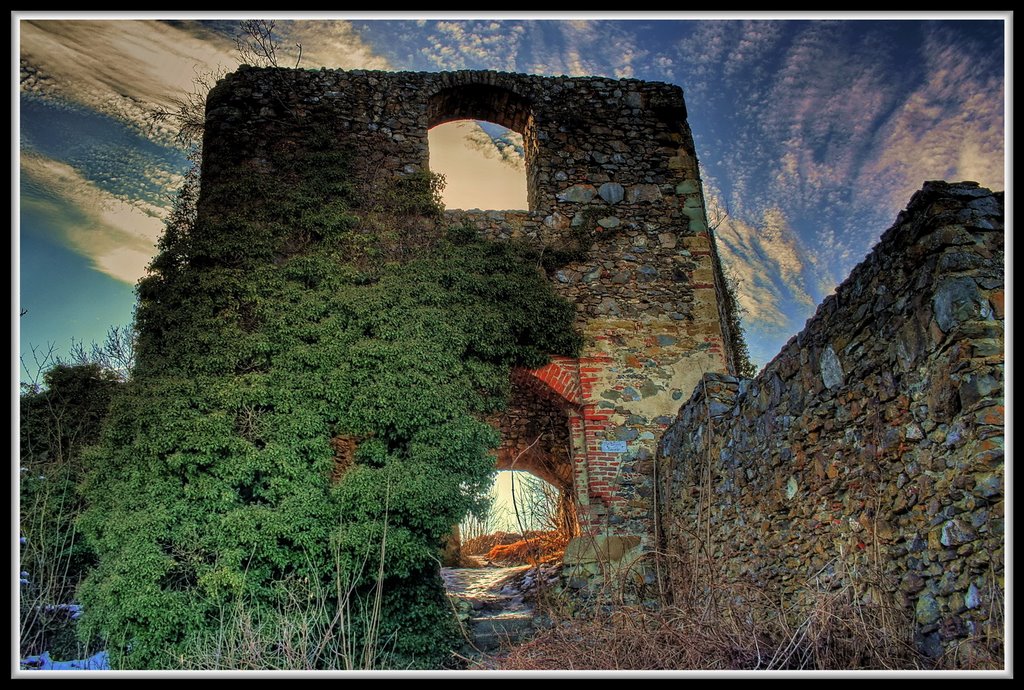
{"x":997,"y":298}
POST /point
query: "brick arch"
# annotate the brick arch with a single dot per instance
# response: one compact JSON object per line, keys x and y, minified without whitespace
{"x":561,"y":375}
{"x":536,"y":428}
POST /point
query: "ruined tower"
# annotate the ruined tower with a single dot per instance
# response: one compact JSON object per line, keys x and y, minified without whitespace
{"x":611,"y":171}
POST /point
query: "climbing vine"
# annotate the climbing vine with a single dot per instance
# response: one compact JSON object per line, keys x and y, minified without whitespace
{"x":294,"y":312}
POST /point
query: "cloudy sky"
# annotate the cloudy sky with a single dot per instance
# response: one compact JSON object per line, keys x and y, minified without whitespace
{"x":812,"y":135}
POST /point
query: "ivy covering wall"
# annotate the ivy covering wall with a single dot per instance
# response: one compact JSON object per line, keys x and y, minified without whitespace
{"x":312,"y":310}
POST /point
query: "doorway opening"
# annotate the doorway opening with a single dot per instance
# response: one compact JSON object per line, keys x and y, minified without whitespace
{"x":529,"y":521}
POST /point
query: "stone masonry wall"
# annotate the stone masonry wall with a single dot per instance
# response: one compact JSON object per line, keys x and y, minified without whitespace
{"x":870,"y":450}
{"x":612,"y":183}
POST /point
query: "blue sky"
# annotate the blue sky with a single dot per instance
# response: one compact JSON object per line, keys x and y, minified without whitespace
{"x":812,"y":135}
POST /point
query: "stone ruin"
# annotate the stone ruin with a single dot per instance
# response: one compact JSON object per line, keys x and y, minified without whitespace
{"x":611,"y":160}
{"x":868,"y":455}
{"x":873,"y":441}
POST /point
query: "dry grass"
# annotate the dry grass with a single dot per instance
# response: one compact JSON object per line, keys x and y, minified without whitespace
{"x":480,"y":545}
{"x":310,"y":628}
{"x":715,"y":624}
{"x":836,"y":634}
{"x":533,"y":549}
{"x":707,"y":620}
{"x":52,"y":562}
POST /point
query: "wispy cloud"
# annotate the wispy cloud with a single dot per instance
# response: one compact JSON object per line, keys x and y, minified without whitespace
{"x":702,"y":52}
{"x":486,"y":44}
{"x":664,"y":65}
{"x":508,"y":149}
{"x":120,"y":68}
{"x":777,"y":278}
{"x":329,"y":43}
{"x":110,"y":209}
{"x":751,"y":46}
{"x":127,"y":69}
{"x":840,"y":122}
{"x":627,"y":55}
{"x":117,"y":235}
{"x":818,"y":115}
{"x":950,"y":127}
{"x":587,"y":47}
{"x":817,"y":132}
{"x":479,"y":173}
{"x":758,"y":294}
{"x":579,"y":39}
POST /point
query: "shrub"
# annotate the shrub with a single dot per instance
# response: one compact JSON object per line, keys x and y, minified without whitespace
{"x":58,"y":419}
{"x":265,"y":334}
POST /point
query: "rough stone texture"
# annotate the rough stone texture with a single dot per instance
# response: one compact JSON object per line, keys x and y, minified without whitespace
{"x":611,"y":171}
{"x":872,"y":446}
{"x":599,"y":549}
{"x":535,"y":432}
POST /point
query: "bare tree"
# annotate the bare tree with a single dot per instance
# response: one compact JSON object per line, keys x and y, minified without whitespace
{"x":42,"y":360}
{"x":116,"y":354}
{"x":717,"y":211}
{"x":257,"y":45}
{"x":187,"y":112}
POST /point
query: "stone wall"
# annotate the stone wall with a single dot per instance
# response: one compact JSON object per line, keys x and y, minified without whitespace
{"x":870,"y":450}
{"x":612,"y":185}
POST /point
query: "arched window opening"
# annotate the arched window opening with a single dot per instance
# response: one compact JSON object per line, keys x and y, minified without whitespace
{"x":483,"y":164}
{"x":482,"y":138}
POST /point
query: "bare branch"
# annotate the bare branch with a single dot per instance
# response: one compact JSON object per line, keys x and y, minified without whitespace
{"x":42,"y":361}
{"x":187,"y":113}
{"x":257,"y":45}
{"x":717,"y":211}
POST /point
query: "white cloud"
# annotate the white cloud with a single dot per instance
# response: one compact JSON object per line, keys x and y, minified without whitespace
{"x":754,"y":40}
{"x":778,"y":279}
{"x":507,"y":149}
{"x":117,"y":235}
{"x":329,"y":43}
{"x":838,"y":128}
{"x":950,"y":127}
{"x":702,"y":52}
{"x":625,"y":54}
{"x":665,"y":65}
{"x":487,"y":44}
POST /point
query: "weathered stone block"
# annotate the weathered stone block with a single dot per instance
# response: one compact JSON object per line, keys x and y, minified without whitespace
{"x":599,"y":548}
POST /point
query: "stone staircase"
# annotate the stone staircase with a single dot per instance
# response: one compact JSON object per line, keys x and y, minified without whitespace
{"x":490,"y":605}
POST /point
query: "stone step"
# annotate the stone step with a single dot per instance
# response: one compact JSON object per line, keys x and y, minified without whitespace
{"x":491,"y":606}
{"x":490,"y":632}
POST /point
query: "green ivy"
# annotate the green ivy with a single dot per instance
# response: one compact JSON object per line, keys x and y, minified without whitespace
{"x":280,"y":320}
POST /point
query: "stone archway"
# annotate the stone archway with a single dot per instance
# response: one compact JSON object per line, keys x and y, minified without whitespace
{"x":538,"y":429}
{"x":476,"y":101}
{"x":482,"y":164}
